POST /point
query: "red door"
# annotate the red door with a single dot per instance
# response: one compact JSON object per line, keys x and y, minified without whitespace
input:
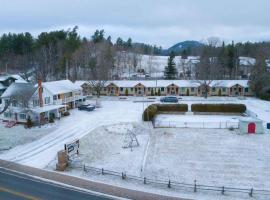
{"x":251,"y":128}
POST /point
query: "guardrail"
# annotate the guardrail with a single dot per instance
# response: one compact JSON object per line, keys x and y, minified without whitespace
{"x":194,"y":187}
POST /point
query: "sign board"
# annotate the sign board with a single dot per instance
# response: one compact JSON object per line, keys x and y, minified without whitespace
{"x":72,"y":147}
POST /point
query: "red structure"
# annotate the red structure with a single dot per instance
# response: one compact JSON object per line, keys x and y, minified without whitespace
{"x":251,"y":128}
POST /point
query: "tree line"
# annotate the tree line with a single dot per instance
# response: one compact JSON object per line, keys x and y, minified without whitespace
{"x":64,"y":54}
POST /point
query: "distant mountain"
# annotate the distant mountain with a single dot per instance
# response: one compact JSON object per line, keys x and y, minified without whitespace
{"x":179,"y":47}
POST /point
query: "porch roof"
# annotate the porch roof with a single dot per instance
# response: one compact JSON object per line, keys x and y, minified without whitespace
{"x":47,"y":108}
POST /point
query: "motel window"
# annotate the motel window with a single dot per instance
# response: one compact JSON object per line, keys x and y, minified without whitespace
{"x":54,"y":97}
{"x":246,"y":89}
{"x":162,"y":89}
{"x":22,"y":116}
{"x":47,"y":100}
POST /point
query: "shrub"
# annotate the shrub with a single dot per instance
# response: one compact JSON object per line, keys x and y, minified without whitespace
{"x":222,"y":108}
{"x":150,"y":112}
{"x":66,"y":113}
{"x":51,"y":119}
{"x":29,"y":123}
{"x":172,"y":107}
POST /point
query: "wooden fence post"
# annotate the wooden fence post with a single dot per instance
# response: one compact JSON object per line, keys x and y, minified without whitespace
{"x":223,"y":190}
{"x":102,"y":171}
{"x":195,"y":186}
{"x":84,"y":167}
{"x":251,"y":192}
{"x":169,"y":184}
{"x":144,"y":180}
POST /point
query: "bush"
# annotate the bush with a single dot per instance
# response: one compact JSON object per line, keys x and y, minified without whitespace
{"x":222,"y":108}
{"x":66,"y":113}
{"x":51,"y":119}
{"x":29,"y":123}
{"x":172,"y":107}
{"x":265,"y":96}
{"x":152,"y":110}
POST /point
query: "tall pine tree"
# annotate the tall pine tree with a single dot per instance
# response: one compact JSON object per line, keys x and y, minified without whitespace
{"x":170,"y":70}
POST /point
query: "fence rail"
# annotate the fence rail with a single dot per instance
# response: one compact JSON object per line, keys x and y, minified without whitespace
{"x":194,"y":187}
{"x":179,"y":124}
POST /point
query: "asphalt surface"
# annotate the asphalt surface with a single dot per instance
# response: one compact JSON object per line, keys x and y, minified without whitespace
{"x":16,"y":186}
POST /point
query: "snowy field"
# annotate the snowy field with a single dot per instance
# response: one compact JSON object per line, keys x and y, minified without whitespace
{"x":211,"y":156}
{"x":18,"y":135}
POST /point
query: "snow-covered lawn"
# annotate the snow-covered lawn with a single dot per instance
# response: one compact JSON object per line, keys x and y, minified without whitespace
{"x":211,"y":156}
{"x":18,"y":135}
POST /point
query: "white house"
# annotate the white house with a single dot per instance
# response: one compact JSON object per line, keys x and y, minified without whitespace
{"x":40,"y":101}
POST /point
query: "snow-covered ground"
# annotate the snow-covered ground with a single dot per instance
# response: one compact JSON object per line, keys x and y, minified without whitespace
{"x":212,"y":156}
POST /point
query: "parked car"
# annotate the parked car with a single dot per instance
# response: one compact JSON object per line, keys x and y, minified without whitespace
{"x":169,"y":99}
{"x":86,"y":107}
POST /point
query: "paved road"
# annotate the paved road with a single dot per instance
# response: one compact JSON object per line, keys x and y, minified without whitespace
{"x":15,"y":186}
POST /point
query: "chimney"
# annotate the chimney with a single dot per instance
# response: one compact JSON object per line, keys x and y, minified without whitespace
{"x":40,"y":93}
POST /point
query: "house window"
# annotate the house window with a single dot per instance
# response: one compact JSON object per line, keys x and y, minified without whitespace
{"x":54,"y":97}
{"x":162,"y":89}
{"x":7,"y":114}
{"x":240,"y":89}
{"x":192,"y":89}
{"x":47,"y":100}
{"x":183,"y":89}
{"x":131,"y":89}
{"x":213,"y":89}
{"x":246,"y":89}
{"x":223,"y":89}
{"x":22,"y":116}
{"x":149,"y":89}
{"x":35,"y":102}
{"x":14,"y":103}
{"x":121,"y":89}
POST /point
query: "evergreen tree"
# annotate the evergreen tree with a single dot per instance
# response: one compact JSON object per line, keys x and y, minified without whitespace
{"x":170,"y":70}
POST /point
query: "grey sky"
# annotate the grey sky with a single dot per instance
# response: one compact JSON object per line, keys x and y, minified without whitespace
{"x":158,"y":22}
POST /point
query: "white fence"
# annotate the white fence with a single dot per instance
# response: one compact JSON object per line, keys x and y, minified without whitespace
{"x":179,"y":124}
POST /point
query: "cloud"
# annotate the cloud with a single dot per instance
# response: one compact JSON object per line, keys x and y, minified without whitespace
{"x":153,"y":21}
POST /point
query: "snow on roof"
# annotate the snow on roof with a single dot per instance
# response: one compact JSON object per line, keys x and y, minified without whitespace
{"x":80,"y":83}
{"x":2,"y":86}
{"x":179,"y":83}
{"x":246,"y":61}
{"x":62,"y":86}
{"x":19,"y":89}
{"x":18,"y":78}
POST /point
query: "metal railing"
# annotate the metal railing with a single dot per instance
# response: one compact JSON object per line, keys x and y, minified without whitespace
{"x":179,"y":124}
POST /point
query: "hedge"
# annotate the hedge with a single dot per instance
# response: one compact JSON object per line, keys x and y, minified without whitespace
{"x":219,"y":108}
{"x":172,"y":107}
{"x":150,"y":112}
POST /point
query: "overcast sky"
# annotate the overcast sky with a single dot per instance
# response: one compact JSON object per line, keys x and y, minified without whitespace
{"x":161,"y":22}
